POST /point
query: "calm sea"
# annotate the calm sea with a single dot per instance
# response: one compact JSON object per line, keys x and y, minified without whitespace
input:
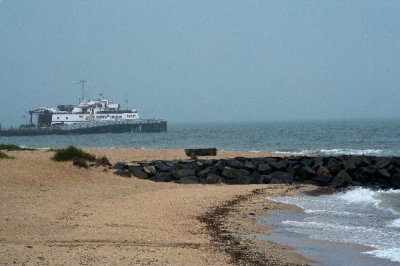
{"x":369,"y":137}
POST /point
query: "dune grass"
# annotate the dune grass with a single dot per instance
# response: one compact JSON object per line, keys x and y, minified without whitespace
{"x":5,"y":156}
{"x":71,"y":153}
{"x":78,"y":157}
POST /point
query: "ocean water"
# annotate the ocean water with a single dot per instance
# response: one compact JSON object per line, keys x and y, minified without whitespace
{"x":369,"y":137}
{"x":362,"y":224}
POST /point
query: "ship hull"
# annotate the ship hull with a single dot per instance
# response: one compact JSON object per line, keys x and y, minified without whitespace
{"x":149,"y":125}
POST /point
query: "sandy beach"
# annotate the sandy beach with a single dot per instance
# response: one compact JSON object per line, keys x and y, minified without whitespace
{"x":55,"y":213}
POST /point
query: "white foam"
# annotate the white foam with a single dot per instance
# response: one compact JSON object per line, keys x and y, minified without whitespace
{"x":392,"y":254}
{"x":350,"y":152}
{"x":295,"y":153}
{"x":364,"y":196}
{"x":43,"y":148}
{"x":342,"y":213}
{"x":395,"y":223}
{"x":390,"y":191}
{"x":360,"y":196}
{"x":359,"y":215}
{"x":332,"y":152}
{"x":325,"y":226}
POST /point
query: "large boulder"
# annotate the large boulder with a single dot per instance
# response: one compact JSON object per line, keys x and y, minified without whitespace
{"x":162,"y":166}
{"x":308,"y":161}
{"x":161,"y":177}
{"x":323,"y":171}
{"x":334,"y":166}
{"x":235,"y":176}
{"x":204,"y":173}
{"x":213,"y":178}
{"x":382,"y":163}
{"x":361,"y":177}
{"x":234,"y":173}
{"x":318,"y":161}
{"x":370,"y":170}
{"x":255,"y":178}
{"x":235,"y":163}
{"x":349,"y":163}
{"x":342,"y":179}
{"x":248,"y":164}
{"x":280,"y":164}
{"x":306,"y":172}
{"x":220,"y":165}
{"x":280,"y":177}
{"x":265,"y":179}
{"x":383,"y":173}
{"x":150,"y":170}
{"x":179,"y":173}
{"x":395,"y":180}
{"x":264,"y":168}
{"x":136,"y":171}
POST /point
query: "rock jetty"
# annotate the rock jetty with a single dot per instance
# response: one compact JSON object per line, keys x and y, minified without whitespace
{"x":332,"y":171}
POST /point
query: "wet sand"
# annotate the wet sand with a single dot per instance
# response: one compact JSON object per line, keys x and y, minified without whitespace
{"x":55,"y":213}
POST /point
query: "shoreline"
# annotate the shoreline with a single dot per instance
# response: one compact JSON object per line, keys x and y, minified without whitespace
{"x":231,"y":223}
{"x":60,"y":214}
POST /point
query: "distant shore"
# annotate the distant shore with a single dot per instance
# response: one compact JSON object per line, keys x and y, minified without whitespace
{"x":56,"y":213}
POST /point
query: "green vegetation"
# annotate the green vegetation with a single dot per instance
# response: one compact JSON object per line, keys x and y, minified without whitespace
{"x":80,"y":163}
{"x":13,"y":147}
{"x":72,"y":153}
{"x":5,"y":156}
{"x":77,"y":156}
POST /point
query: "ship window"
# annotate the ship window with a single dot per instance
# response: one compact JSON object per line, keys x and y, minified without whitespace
{"x":66,"y":118}
{"x":58,"y":117}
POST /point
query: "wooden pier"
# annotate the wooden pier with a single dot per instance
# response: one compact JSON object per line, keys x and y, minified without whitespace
{"x":142,"y":125}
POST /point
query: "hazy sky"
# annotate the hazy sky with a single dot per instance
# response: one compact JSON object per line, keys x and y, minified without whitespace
{"x":204,"y":60}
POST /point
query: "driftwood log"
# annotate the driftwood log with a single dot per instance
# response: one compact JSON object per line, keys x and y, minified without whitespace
{"x":201,"y":152}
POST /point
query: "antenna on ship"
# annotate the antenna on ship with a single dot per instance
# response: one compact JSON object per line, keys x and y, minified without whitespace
{"x":126,"y":100}
{"x":82,"y":83}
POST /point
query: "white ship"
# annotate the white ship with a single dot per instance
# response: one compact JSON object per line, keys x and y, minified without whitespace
{"x":88,"y":117}
{"x":87,"y":111}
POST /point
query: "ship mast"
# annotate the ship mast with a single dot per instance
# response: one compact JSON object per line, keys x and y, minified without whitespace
{"x":82,"y":83}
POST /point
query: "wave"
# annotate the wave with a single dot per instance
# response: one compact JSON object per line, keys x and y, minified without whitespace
{"x":392,"y":254}
{"x":350,"y":152}
{"x":325,"y":226}
{"x":395,"y":223}
{"x":340,"y":213}
{"x":375,"y":198}
{"x":359,"y":215}
{"x":360,"y":196}
{"x":334,"y":152}
{"x":296,"y":153}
